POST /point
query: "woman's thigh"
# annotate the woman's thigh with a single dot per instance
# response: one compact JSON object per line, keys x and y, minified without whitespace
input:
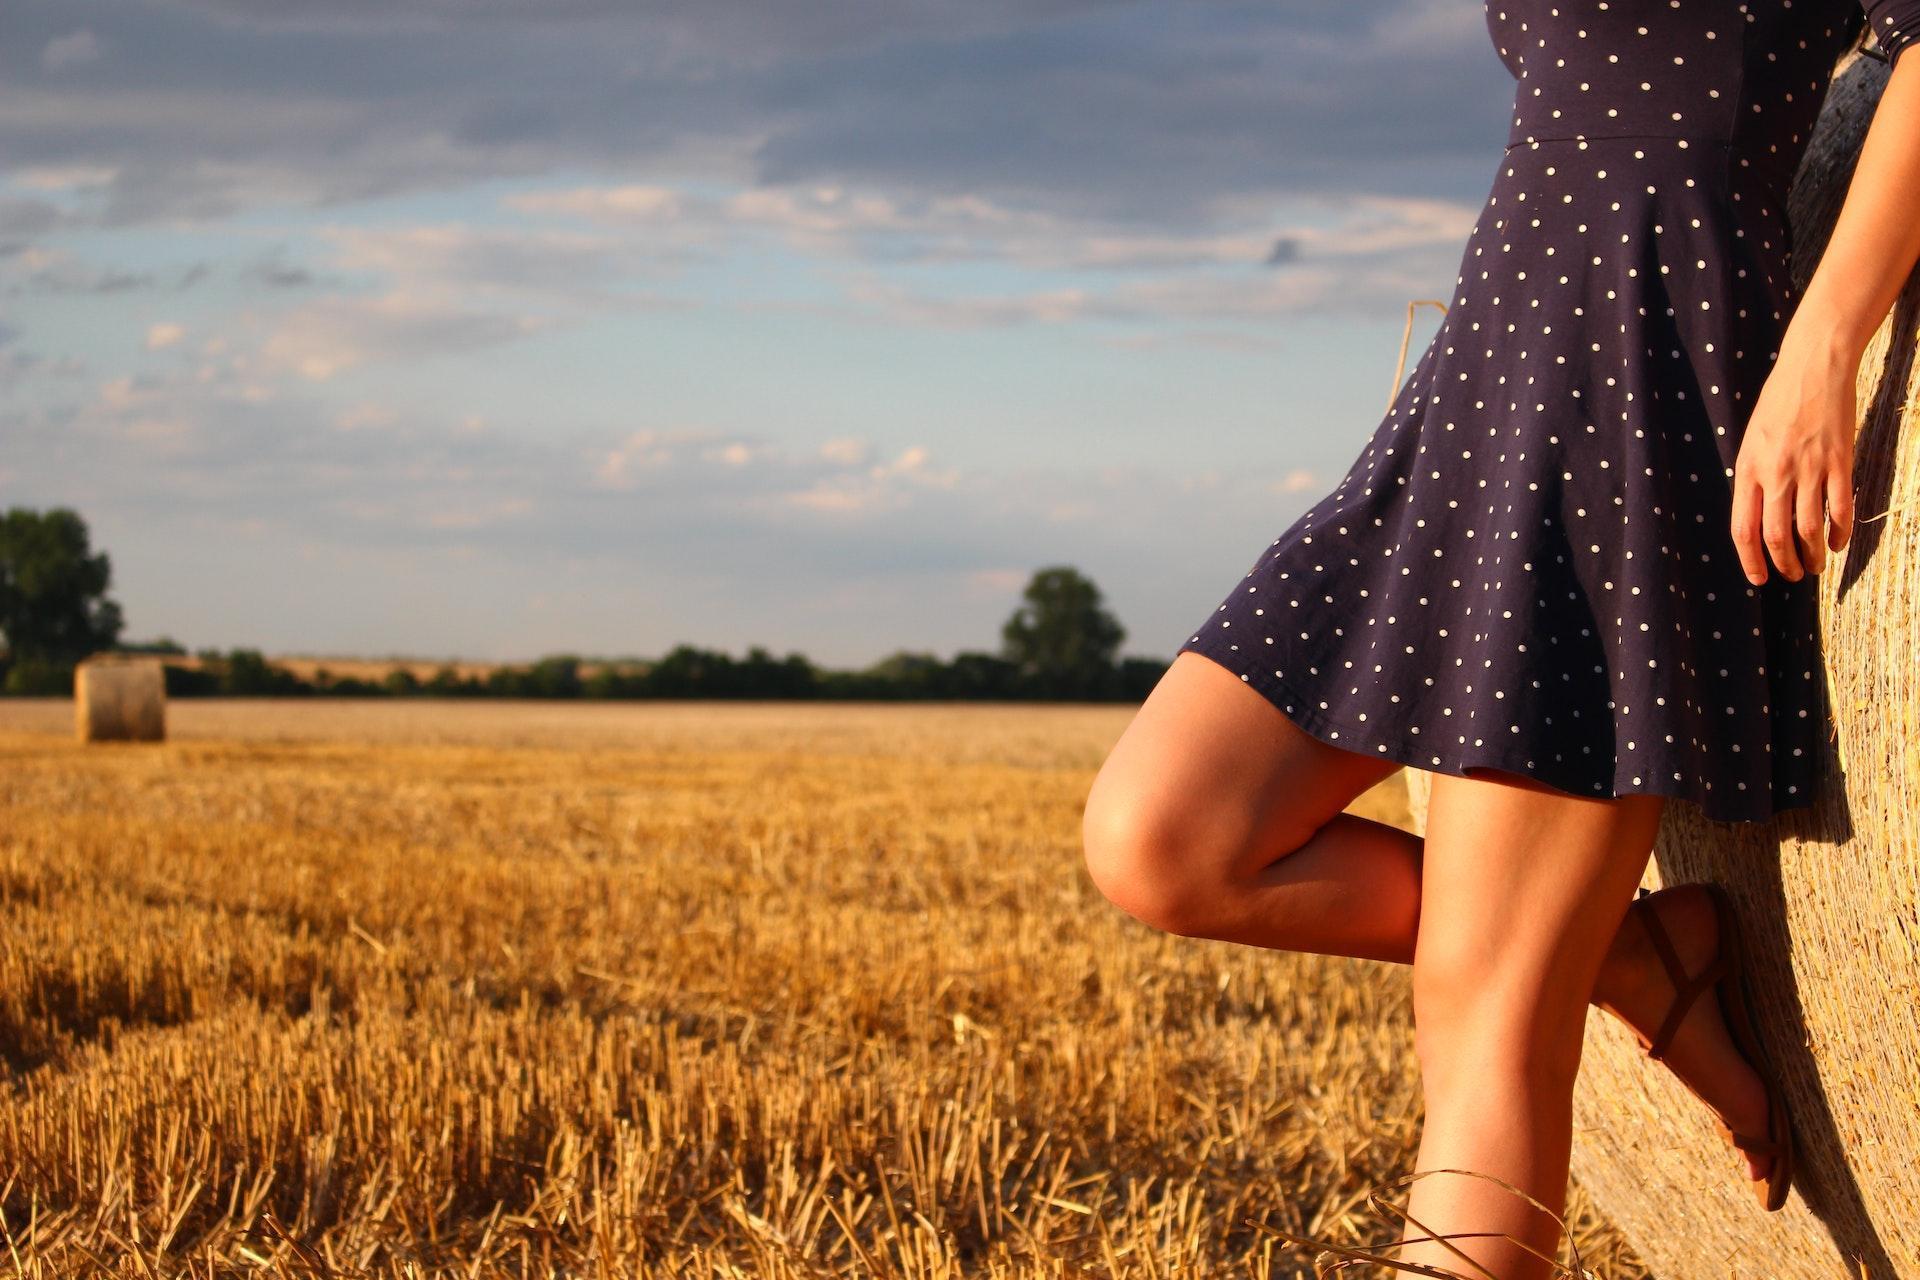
{"x":1213,"y":780}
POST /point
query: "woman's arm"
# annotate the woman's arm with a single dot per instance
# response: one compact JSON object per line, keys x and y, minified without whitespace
{"x":1797,"y":454}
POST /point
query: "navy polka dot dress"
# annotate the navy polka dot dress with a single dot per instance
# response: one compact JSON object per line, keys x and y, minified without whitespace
{"x":1529,"y":566}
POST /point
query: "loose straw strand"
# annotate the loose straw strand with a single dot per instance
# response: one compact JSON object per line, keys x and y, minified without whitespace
{"x":1406,"y":337}
{"x":1350,"y":1256}
{"x":1898,"y":506}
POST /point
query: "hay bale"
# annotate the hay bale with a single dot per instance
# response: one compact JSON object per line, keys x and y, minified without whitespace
{"x":1828,"y":895}
{"x":120,"y":698}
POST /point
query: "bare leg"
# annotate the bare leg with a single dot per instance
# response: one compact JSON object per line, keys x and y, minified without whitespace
{"x":1216,"y":816}
{"x":1523,"y":891}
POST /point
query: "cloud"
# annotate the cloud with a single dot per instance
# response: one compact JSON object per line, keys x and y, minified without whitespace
{"x":621,"y":466}
{"x":74,"y":49}
{"x":1356,"y":254}
{"x":475,"y":257}
{"x":479,"y":517}
{"x":847,"y":450}
{"x":548,"y":276}
{"x":999,"y":581}
{"x":1152,"y":174}
{"x":1299,"y":480}
{"x":862,"y":224}
{"x":625,"y":204}
{"x":18,"y":365}
{"x":272,"y":272}
{"x":307,"y":520}
{"x":168,"y":440}
{"x":164,"y":334}
{"x":73,"y":177}
{"x":28,"y":217}
{"x":1369,"y":262}
{"x":60,"y":272}
{"x":361,"y":416}
{"x":863,"y":491}
{"x":735,"y":454}
{"x":1148,"y":115}
{"x":627,"y":464}
{"x":324,"y":338}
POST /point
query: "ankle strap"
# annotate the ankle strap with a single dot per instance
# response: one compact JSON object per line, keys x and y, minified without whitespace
{"x":1685,"y":988}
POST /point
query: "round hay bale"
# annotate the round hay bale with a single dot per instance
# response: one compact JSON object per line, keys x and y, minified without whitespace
{"x":120,"y":698}
{"x":1829,"y":896}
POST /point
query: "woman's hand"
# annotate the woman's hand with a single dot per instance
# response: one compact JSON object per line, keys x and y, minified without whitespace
{"x":1793,"y":477}
{"x":1795,"y":464}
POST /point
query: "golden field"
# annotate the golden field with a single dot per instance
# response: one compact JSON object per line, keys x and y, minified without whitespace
{"x":679,"y":990}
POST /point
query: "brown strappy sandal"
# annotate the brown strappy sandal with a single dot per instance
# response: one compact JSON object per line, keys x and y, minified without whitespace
{"x":1727,"y":975}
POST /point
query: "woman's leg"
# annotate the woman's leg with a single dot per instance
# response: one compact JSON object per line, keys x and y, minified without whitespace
{"x":1523,"y":889}
{"x":1216,"y":816}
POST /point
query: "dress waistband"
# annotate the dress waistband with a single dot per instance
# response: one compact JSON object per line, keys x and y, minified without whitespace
{"x":1775,"y":171}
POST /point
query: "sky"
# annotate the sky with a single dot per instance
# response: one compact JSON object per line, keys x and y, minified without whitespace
{"x":492,"y":329}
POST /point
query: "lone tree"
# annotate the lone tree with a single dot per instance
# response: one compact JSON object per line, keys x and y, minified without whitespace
{"x":1062,"y":640}
{"x":54,"y":609}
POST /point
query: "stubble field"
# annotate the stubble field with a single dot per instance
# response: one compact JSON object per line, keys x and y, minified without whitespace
{"x":676,"y":990}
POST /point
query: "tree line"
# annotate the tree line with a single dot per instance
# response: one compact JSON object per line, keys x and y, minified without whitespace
{"x":1061,"y":643}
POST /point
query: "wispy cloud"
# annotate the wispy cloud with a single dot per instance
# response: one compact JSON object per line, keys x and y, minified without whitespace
{"x":704,"y":318}
{"x":323,"y":338}
{"x":1147,"y":115}
{"x":74,"y":49}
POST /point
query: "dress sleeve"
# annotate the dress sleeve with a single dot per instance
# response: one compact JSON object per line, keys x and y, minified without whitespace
{"x":1895,"y":24}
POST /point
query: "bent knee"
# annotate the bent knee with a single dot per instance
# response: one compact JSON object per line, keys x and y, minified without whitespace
{"x":1145,"y":861}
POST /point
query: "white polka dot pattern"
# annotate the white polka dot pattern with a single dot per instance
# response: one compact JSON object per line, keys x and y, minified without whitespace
{"x":1528,"y":567}
{"x":1895,"y":25}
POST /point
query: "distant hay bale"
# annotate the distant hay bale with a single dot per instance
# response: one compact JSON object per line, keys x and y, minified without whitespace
{"x":120,"y":698}
{"x":1828,"y":895}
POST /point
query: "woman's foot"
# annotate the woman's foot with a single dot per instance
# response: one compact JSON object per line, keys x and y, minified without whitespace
{"x":1635,"y":987}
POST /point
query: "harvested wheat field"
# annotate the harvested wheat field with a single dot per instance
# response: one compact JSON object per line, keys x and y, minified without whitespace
{"x":683,"y":990}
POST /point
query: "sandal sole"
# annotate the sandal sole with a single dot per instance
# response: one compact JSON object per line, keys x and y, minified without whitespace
{"x":1742,"y":1019}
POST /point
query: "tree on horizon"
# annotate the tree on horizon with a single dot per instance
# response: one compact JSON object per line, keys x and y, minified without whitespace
{"x":1062,"y":637}
{"x":54,"y":608}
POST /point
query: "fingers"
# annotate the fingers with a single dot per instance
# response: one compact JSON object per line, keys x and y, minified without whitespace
{"x":1747,"y":499}
{"x":1839,"y":489}
{"x":1793,"y":519}
{"x":1810,"y":522}
{"x":1777,"y":530}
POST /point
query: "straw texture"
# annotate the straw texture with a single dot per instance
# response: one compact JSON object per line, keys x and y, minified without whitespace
{"x":120,"y":699}
{"x":1829,"y":897}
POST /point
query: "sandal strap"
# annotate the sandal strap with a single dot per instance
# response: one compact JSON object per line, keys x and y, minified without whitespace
{"x":1682,"y":1001}
{"x":1748,"y":1142}
{"x":1686,"y":989}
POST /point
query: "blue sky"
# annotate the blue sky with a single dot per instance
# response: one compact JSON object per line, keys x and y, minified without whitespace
{"x":488,"y":329}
